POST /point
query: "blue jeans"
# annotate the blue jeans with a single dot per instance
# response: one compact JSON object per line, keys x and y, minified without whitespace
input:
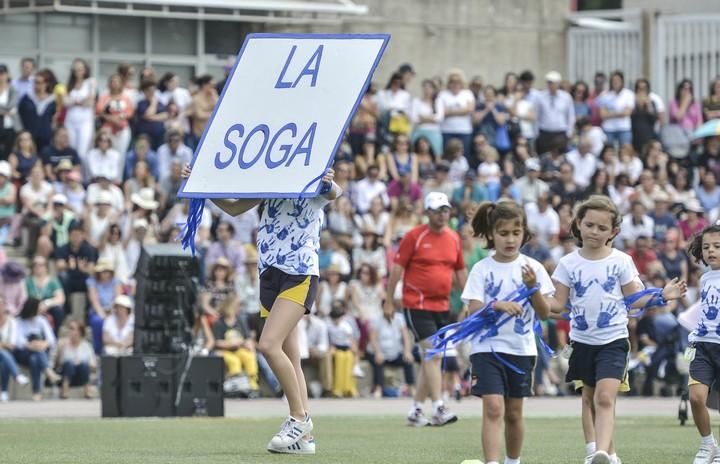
{"x":618,"y":138}
{"x":36,"y":361}
{"x":8,"y":368}
{"x":96,"y":325}
{"x":77,"y":374}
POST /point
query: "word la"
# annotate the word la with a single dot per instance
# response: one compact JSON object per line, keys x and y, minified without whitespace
{"x":311,"y":69}
{"x":261,"y":133}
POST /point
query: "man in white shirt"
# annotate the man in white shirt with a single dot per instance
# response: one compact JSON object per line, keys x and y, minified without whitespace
{"x":24,"y":83}
{"x":174,"y":149}
{"x":367,"y":189}
{"x":545,"y":220}
{"x":555,"y":116}
{"x":583,"y":161}
{"x":634,"y":225}
{"x":530,"y":185}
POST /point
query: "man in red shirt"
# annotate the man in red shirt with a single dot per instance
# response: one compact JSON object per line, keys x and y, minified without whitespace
{"x":428,"y":258}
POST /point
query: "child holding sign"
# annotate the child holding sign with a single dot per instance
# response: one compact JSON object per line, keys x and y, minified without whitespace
{"x":705,"y":342}
{"x":287,"y":241}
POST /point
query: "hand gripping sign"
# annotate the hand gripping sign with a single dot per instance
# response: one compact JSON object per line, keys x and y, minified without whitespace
{"x":281,"y":117}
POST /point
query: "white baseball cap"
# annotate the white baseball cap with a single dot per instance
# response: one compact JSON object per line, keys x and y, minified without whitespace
{"x":436,"y":200}
{"x":553,"y":76}
{"x":59,"y":199}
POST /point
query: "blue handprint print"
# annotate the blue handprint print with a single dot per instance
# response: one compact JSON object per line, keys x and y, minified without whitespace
{"x":303,"y":266}
{"x":577,"y":284}
{"x":606,"y":315}
{"x":298,"y":208}
{"x":579,"y":320}
{"x":282,"y":259}
{"x":492,"y":290}
{"x":712,"y":312}
{"x":265,"y":246}
{"x":611,"y":278}
{"x":520,"y":324}
{"x":303,"y":223}
{"x":702,"y":329}
{"x":269,"y":227}
{"x":294,"y":246}
{"x":273,"y":209}
{"x":283,"y":234}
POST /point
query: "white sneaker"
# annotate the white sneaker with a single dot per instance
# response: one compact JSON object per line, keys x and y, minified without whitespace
{"x":302,"y":446}
{"x":291,"y":431}
{"x":601,"y":457}
{"x":588,"y":459}
{"x":22,"y":379}
{"x":443,"y":416}
{"x":616,"y":460}
{"x":358,"y":372}
{"x":716,"y":459}
{"x":706,"y":454}
{"x":4,"y":398}
{"x":416,"y":418}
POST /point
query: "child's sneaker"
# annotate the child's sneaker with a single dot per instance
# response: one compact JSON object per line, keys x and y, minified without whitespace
{"x":302,"y":446}
{"x":443,"y":416}
{"x":291,"y":431}
{"x":716,"y":459}
{"x":4,"y":398}
{"x":601,"y":457}
{"x":706,"y":454}
{"x":21,"y":379}
{"x":416,"y":418}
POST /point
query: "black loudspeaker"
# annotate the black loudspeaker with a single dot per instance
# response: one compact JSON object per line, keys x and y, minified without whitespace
{"x":147,"y":386}
{"x":167,"y":261}
{"x":202,"y":388}
{"x":109,"y":389}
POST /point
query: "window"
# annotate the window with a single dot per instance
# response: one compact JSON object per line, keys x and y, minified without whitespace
{"x":18,"y":32}
{"x":122,"y":34}
{"x":65,"y":32}
{"x":173,"y":37}
{"x":224,"y":38}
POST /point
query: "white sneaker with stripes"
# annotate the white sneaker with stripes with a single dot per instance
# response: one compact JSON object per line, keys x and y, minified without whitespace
{"x":302,"y":446}
{"x":290,"y":433}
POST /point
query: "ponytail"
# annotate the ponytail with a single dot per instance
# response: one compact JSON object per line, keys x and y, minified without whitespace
{"x":488,"y":214}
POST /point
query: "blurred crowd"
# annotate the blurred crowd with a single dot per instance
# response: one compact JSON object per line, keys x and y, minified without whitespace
{"x":89,"y":173}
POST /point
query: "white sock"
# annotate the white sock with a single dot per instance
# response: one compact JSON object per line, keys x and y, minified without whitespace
{"x":436,"y":405}
{"x":613,"y":456}
{"x":512,"y":461}
{"x":492,"y":462}
{"x":590,"y":448}
{"x":709,"y":440}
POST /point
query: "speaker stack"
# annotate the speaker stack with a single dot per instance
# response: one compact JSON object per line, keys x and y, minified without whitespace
{"x":161,"y":379}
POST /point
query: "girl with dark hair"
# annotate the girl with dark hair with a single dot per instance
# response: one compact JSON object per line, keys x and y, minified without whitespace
{"x":594,"y":280}
{"x":685,"y":110}
{"x":705,"y":339}
{"x":504,"y":363}
{"x":616,"y":106}
{"x":79,"y":105}
{"x":426,"y":117}
{"x":33,"y":341}
{"x":580,"y":93}
{"x":644,"y":116}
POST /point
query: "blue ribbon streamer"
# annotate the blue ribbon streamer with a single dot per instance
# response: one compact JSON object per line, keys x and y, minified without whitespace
{"x":655,"y":300}
{"x":484,"y":320}
{"x":537,"y":328}
{"x":189,"y":229}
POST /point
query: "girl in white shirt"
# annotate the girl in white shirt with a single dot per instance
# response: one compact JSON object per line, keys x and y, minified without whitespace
{"x":595,"y":279}
{"x":705,"y":339}
{"x":503,"y":363}
{"x":80,"y":105}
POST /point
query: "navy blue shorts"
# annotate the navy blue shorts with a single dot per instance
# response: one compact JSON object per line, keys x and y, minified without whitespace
{"x":491,"y":377}
{"x":450,"y":364}
{"x":424,"y":323}
{"x":705,"y":368}
{"x":590,"y":363}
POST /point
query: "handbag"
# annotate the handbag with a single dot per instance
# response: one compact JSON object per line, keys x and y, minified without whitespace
{"x":675,"y":140}
{"x":502,"y":139}
{"x":399,"y":124}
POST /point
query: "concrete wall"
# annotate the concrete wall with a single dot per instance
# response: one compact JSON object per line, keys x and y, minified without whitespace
{"x":485,"y":37}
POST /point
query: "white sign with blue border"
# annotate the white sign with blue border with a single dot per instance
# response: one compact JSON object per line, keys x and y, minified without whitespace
{"x":282,"y":115}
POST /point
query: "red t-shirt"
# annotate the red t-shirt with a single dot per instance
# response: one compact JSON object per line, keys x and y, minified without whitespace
{"x":430,"y":260}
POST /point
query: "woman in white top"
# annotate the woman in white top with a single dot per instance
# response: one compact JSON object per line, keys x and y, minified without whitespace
{"x":616,"y":106}
{"x":8,"y":366}
{"x":80,"y":105}
{"x":395,"y":103}
{"x":33,"y":341}
{"x":75,"y":357}
{"x":456,"y":104}
{"x":366,"y":294}
{"x":111,"y":248}
{"x":119,"y":328}
{"x":98,"y":219}
{"x":330,"y":290}
{"x":426,"y":117}
{"x":104,"y":160}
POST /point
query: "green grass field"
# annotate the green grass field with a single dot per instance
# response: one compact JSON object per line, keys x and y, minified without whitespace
{"x":340,"y":440}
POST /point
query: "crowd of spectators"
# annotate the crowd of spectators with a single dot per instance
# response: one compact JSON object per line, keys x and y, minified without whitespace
{"x":89,"y":173}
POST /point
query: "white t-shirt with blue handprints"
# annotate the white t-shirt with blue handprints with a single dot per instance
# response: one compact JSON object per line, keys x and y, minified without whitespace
{"x":598,"y":312}
{"x":708,"y":330}
{"x":288,"y":237}
{"x":490,"y":280}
